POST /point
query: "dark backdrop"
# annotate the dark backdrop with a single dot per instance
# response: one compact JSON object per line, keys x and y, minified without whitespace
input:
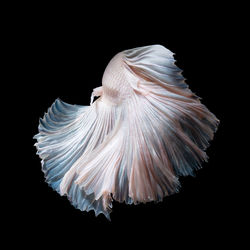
{"x":68,"y":58}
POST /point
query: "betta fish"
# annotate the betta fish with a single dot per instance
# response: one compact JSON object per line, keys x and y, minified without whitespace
{"x":132,"y":143}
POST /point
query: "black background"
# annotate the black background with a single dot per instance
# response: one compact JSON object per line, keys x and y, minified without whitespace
{"x":69,"y":53}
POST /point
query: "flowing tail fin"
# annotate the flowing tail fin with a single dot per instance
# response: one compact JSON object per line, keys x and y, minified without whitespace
{"x":141,"y":160}
{"x":67,"y":135}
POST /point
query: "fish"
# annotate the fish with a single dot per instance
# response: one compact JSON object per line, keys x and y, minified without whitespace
{"x":145,"y":129}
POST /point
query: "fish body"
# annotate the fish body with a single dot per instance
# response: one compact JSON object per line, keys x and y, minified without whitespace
{"x":131,"y":144}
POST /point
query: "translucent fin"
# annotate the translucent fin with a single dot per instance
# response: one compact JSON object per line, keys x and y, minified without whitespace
{"x":58,"y":142}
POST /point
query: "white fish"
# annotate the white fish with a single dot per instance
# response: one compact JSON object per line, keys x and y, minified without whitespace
{"x":131,"y":144}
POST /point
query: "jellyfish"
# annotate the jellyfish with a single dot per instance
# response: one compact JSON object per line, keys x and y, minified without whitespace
{"x":131,"y":144}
